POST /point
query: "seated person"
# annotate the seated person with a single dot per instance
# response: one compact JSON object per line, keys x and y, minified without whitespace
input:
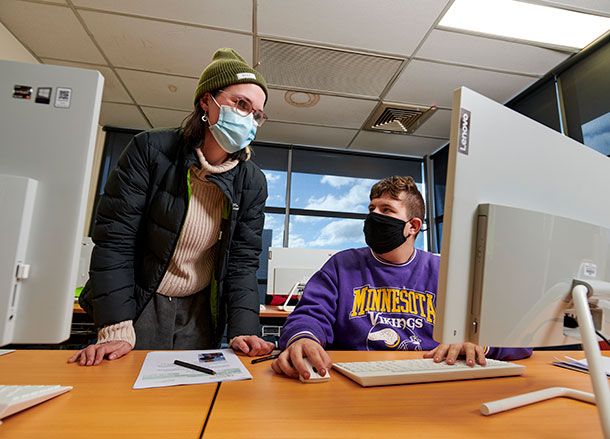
{"x":380,"y":297}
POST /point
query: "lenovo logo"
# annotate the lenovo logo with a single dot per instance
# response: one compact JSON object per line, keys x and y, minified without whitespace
{"x":464,"y":134}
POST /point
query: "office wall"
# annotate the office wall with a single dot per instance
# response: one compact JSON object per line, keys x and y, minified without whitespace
{"x":11,"y":49}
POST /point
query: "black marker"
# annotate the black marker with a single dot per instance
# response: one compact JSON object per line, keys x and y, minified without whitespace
{"x":194,"y":367}
{"x":268,"y":357}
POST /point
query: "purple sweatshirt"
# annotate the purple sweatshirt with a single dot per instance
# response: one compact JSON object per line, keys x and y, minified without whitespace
{"x":358,"y":302}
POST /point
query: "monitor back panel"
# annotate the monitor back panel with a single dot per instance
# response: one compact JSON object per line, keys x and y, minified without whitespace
{"x":499,"y":156}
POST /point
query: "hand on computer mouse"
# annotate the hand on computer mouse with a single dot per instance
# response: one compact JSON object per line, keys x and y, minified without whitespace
{"x":292,"y":363}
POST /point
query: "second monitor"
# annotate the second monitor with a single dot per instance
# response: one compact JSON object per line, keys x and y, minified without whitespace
{"x":290,"y":266}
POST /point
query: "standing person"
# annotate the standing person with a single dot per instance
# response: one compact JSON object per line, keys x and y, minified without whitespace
{"x":178,"y":229}
{"x":380,"y":297}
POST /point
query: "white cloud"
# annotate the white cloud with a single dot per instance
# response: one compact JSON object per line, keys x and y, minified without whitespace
{"x":295,"y":240}
{"x":336,"y":181}
{"x":275,"y":223}
{"x":271,"y":177}
{"x":308,"y":219}
{"x":339,"y":232}
{"x":355,"y":200}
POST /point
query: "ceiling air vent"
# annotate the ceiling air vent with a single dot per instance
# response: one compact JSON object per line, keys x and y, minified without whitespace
{"x":302,"y":67}
{"x":398,"y":118}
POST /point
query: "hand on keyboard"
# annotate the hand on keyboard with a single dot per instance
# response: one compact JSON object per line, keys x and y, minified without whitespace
{"x":451,"y":352}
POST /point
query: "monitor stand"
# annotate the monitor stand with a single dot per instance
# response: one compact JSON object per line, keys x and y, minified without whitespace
{"x":581,"y":290}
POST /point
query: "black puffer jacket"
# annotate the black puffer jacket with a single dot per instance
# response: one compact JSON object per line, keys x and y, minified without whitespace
{"x":139,"y":220}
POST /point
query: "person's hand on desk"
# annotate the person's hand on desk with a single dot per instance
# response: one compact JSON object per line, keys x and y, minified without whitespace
{"x":252,"y":345}
{"x":290,"y":362}
{"x":93,"y":354}
{"x":450,"y":352}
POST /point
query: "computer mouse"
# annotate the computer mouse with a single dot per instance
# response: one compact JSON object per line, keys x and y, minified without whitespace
{"x":314,"y":377}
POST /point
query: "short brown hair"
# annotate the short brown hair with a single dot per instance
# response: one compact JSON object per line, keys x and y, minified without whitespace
{"x":394,"y":186}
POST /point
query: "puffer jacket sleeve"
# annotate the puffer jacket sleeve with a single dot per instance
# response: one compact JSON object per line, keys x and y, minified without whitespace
{"x":241,"y":287}
{"x":120,"y":211}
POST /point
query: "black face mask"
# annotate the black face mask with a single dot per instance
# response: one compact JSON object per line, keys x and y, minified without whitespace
{"x":383,"y":233}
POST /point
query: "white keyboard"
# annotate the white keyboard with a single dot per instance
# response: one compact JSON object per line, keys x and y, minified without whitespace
{"x":16,"y":398}
{"x":425,"y":370}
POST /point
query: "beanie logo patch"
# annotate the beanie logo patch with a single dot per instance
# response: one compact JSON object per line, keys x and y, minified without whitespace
{"x":246,"y":75}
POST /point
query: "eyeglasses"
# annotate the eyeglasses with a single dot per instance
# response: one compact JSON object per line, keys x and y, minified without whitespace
{"x":244,"y":108}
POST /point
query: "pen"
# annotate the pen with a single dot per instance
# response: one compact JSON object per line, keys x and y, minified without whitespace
{"x":268,"y":357}
{"x":194,"y":367}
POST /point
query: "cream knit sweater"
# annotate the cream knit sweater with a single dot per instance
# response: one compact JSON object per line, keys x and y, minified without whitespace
{"x":190,"y":269}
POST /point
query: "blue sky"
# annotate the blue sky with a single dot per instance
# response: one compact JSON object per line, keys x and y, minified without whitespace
{"x":596,"y":134}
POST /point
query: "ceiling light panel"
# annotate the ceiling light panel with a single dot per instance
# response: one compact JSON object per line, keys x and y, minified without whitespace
{"x":318,"y":69}
{"x":526,"y":21}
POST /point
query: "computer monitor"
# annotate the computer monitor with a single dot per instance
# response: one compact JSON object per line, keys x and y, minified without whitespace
{"x":526,"y":240}
{"x":290,"y":266}
{"x":48,"y":130}
{"x":545,"y":203}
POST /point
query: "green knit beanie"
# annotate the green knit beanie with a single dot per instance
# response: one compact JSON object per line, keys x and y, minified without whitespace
{"x":228,"y":68}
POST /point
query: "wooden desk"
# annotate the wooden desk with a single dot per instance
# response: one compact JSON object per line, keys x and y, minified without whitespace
{"x":102,"y":403}
{"x":272,"y":406}
{"x":273,"y":311}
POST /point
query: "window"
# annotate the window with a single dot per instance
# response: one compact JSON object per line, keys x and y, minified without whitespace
{"x":586,"y":97}
{"x":540,"y":104}
{"x":439,"y":173}
{"x":327,"y":193}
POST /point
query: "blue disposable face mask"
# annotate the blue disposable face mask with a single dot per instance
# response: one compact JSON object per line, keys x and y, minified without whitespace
{"x":232,"y":131}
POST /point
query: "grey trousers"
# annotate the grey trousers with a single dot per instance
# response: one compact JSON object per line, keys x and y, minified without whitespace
{"x":176,"y":323}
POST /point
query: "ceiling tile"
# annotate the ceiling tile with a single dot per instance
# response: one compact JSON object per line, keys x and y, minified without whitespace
{"x":51,"y":31}
{"x":163,"y":117}
{"x":236,"y":14}
{"x":389,"y":26}
{"x":122,"y":115}
{"x":412,"y":146}
{"x":428,"y":83}
{"x":330,"y":110}
{"x":487,"y":52}
{"x":162,"y":47}
{"x":160,"y":90}
{"x":305,"y":135}
{"x":113,"y":89}
{"x":439,"y":124}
